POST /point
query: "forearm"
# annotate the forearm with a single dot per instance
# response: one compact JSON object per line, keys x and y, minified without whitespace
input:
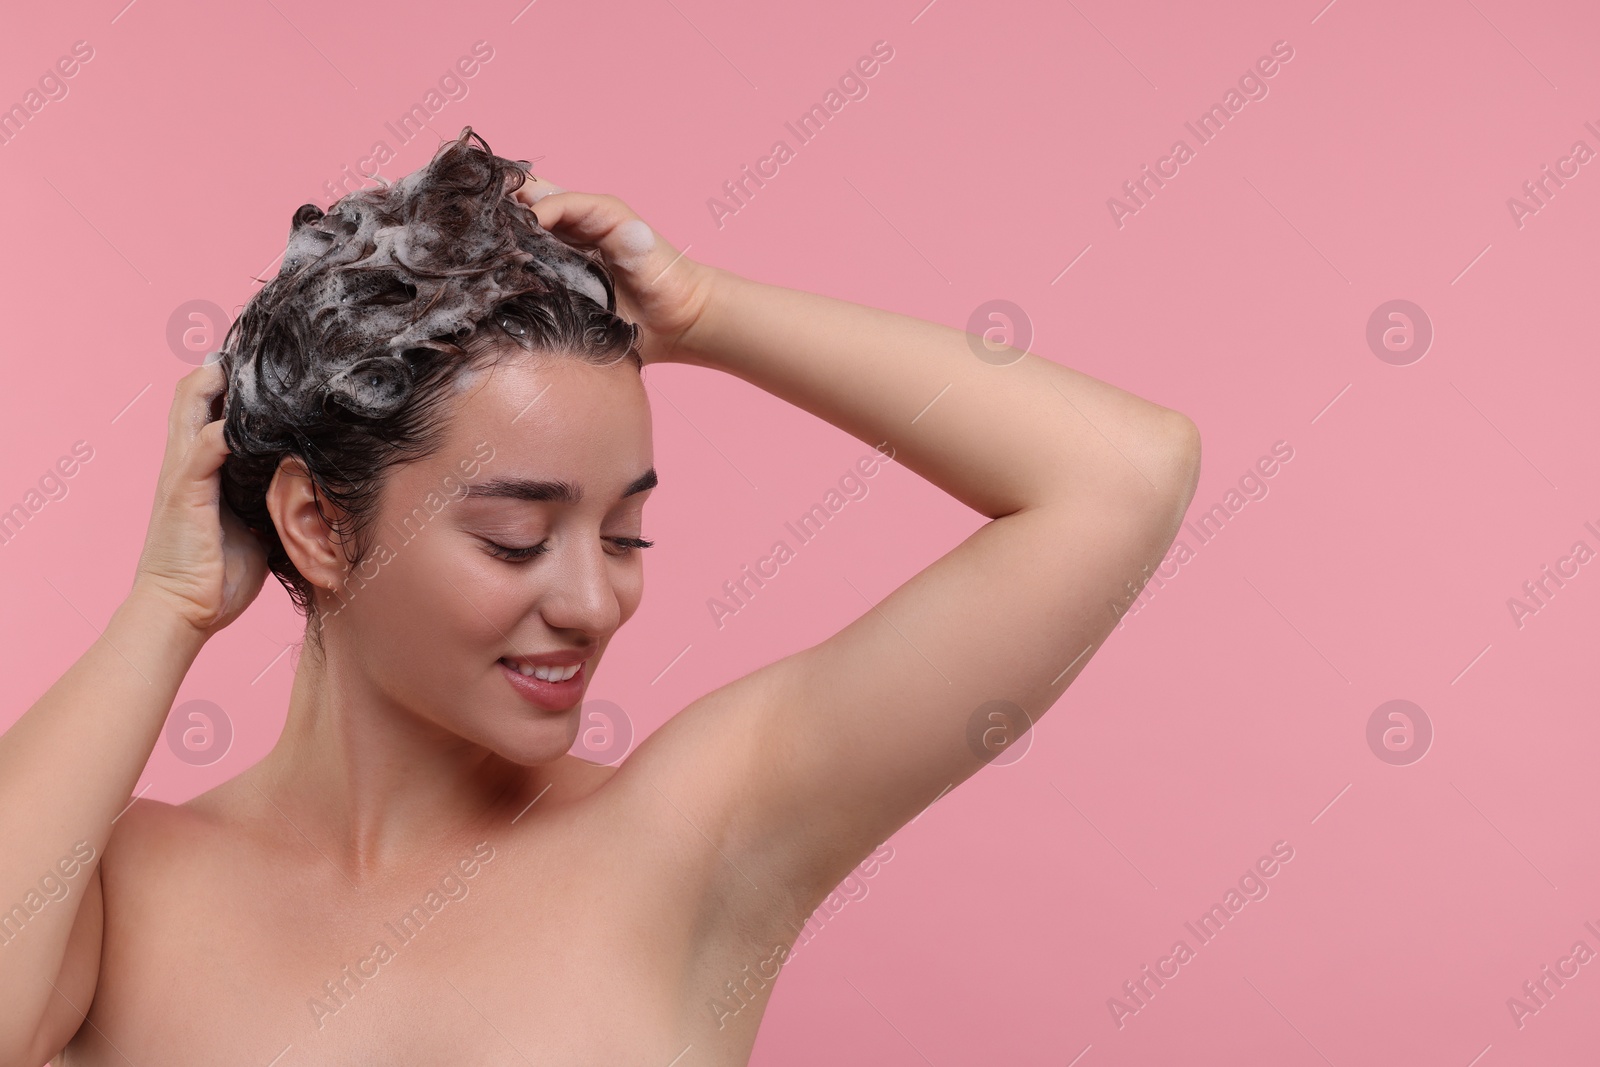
{"x":67,"y":769}
{"x":998,"y":438}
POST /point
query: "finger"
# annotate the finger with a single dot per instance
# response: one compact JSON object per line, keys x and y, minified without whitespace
{"x":581,"y":218}
{"x":192,"y":401}
{"x":536,"y":189}
{"x":207,"y":453}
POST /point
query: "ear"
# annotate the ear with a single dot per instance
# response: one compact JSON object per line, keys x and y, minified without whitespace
{"x":297,"y":511}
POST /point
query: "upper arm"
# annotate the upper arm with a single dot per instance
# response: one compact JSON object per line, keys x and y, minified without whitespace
{"x":806,"y":765}
{"x":75,"y":983}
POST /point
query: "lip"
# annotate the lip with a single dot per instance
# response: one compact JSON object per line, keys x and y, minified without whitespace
{"x":548,"y":696}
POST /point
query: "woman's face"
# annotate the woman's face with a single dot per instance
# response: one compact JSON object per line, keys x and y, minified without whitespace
{"x":435,"y":605}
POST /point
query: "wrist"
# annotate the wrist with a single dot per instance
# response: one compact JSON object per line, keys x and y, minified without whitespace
{"x":695,"y":346}
{"x":149,"y":611}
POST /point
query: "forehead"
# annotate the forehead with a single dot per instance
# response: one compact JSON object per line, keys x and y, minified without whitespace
{"x":553,"y":416}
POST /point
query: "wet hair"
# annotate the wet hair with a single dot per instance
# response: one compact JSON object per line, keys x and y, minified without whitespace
{"x":350,"y":357}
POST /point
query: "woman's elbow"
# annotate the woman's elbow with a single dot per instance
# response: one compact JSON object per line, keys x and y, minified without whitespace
{"x":1184,"y":457}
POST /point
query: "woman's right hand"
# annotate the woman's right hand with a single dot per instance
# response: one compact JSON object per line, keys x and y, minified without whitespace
{"x":198,"y":557}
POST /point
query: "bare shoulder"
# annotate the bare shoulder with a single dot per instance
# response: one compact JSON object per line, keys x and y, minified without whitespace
{"x":688,"y":761}
{"x":147,"y":824}
{"x":155,"y":844}
{"x":690,"y":777}
{"x":152,"y":836}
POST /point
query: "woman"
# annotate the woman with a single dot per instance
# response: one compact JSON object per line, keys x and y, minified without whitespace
{"x":419,"y":872}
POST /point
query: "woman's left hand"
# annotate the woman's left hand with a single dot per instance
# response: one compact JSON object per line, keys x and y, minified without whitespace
{"x":662,"y":290}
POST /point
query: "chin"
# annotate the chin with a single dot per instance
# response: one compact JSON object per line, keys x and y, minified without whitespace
{"x":535,"y":742}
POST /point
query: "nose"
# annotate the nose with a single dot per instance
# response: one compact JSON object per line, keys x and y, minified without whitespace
{"x":582,"y":594}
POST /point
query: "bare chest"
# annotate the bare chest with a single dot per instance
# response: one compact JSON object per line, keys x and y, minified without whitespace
{"x":502,"y":955}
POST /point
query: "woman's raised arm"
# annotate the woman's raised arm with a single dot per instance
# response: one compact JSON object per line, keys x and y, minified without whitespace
{"x":69,"y":764}
{"x":1085,"y":486}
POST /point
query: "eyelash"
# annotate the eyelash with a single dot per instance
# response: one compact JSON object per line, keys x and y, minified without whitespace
{"x":519,"y":555}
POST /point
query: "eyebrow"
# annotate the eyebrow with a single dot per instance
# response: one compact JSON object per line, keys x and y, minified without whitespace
{"x":557,"y":491}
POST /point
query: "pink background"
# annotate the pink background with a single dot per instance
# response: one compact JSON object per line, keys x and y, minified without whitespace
{"x":1232,"y":709}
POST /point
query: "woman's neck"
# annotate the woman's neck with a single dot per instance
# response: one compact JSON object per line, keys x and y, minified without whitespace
{"x":370,"y":783}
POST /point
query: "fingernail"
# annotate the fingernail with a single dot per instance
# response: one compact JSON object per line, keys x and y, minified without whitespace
{"x":540,"y":188}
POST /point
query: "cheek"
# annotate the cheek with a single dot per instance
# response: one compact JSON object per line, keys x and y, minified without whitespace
{"x":459,"y":596}
{"x":429,"y":613}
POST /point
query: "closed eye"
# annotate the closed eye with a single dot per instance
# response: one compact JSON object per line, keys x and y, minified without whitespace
{"x":518,"y":555}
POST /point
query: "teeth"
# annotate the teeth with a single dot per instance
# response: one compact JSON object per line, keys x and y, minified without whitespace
{"x":548,"y":674}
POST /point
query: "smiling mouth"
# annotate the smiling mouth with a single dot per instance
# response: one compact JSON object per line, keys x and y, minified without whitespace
{"x":557,"y":691}
{"x":545,"y":674}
